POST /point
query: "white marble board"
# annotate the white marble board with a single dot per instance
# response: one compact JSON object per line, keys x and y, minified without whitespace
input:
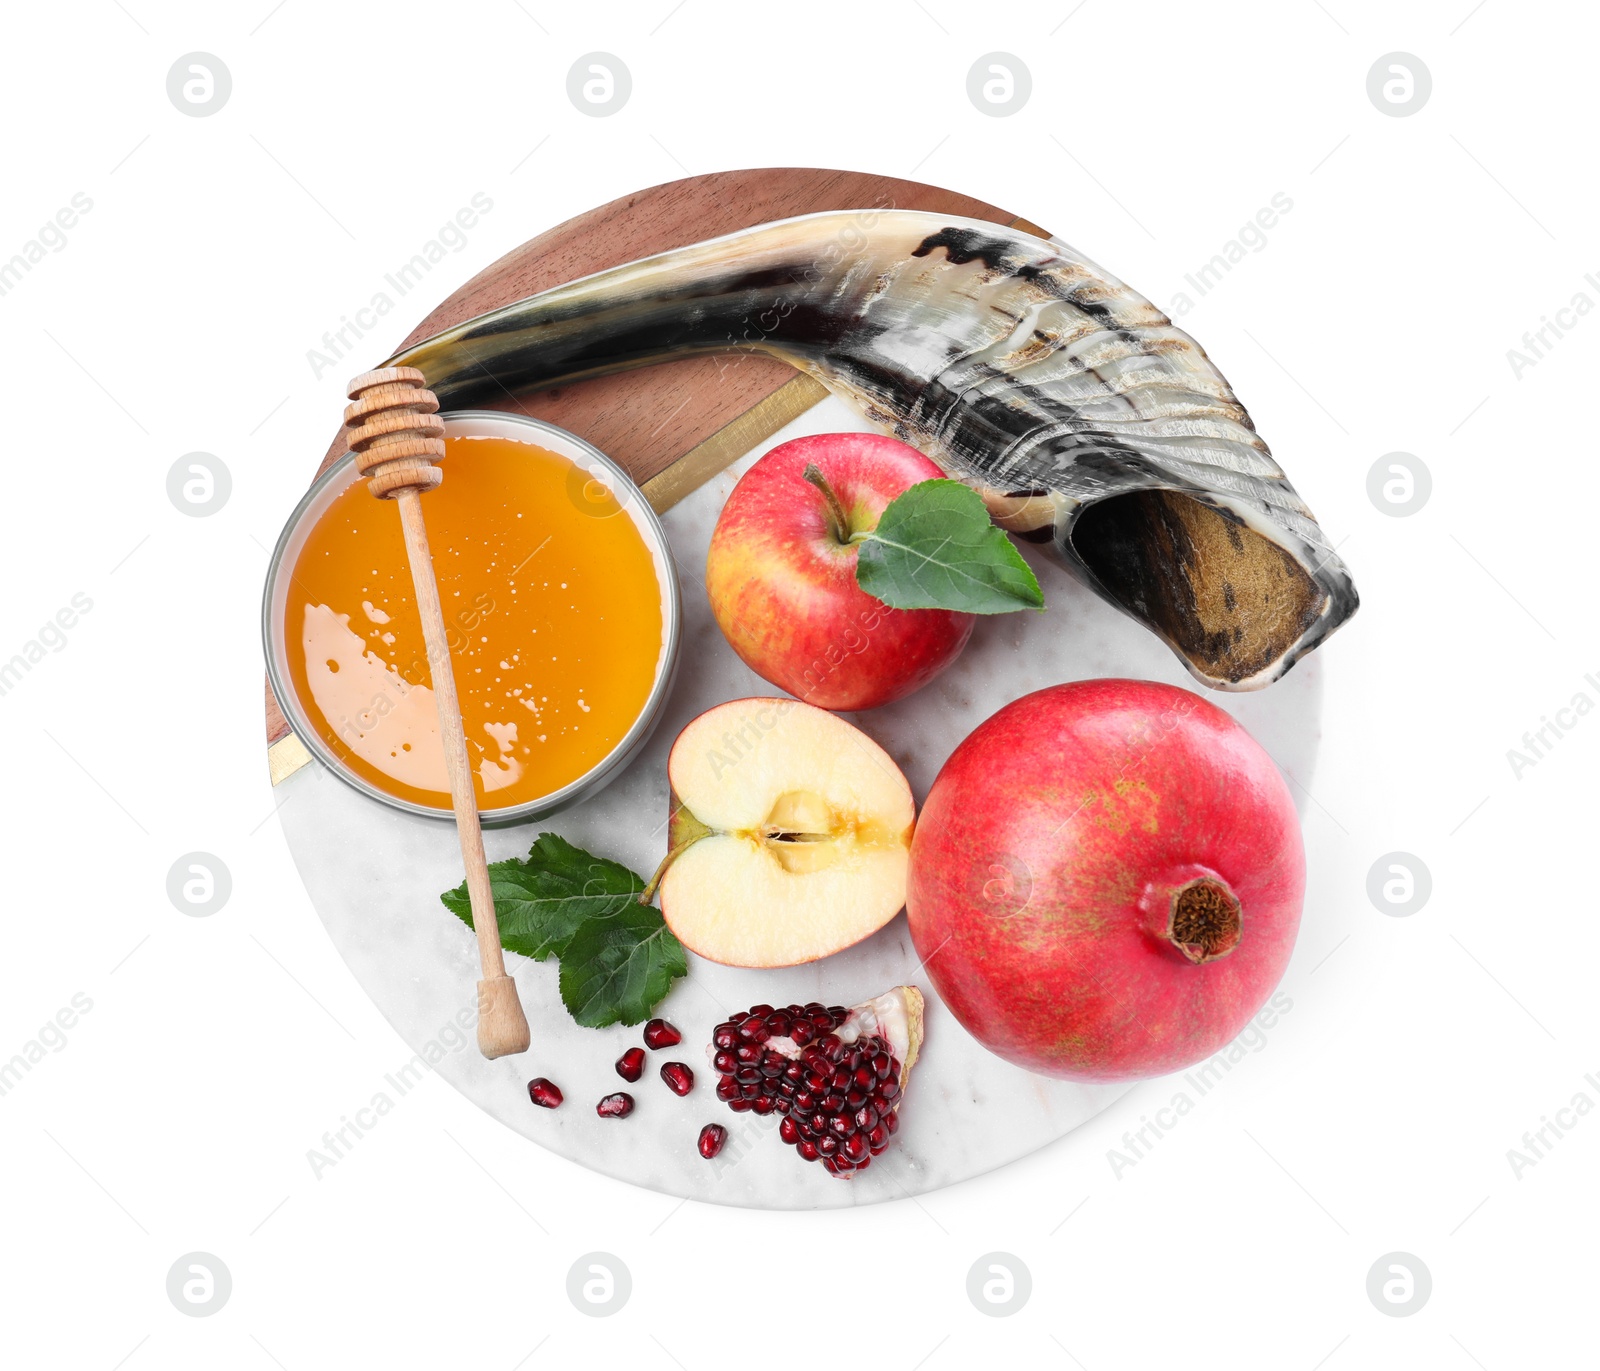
{"x":374,"y":875}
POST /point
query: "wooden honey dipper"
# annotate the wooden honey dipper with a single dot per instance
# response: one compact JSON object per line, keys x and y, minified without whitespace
{"x":397,"y":435}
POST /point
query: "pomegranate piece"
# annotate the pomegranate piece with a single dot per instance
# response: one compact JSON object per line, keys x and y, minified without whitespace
{"x":679,"y":1079}
{"x":837,"y":1076}
{"x":546,"y":1094}
{"x":617,"y":1106}
{"x":630,"y":1065}
{"x":712,"y":1136}
{"x":659,"y":1033}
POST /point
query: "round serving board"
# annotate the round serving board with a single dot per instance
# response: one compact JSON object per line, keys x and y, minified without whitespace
{"x":374,"y":874}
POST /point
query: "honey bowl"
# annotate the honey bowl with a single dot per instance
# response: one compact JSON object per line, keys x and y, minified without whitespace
{"x":561,"y":608}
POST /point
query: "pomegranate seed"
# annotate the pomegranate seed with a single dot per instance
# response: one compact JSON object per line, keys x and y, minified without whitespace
{"x":789,"y":1132}
{"x":712,"y":1136}
{"x":545,"y":1094}
{"x":762,"y":1105}
{"x":808,"y":1150}
{"x":679,"y":1079}
{"x":630,"y":1065}
{"x":855,"y":1146}
{"x":725,"y":1062}
{"x":617,"y":1106}
{"x":659,"y":1033}
{"x":726,"y":1036}
{"x":727,"y":1089}
{"x":739,"y":1106}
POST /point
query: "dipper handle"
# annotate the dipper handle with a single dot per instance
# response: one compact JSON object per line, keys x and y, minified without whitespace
{"x":396,"y":435}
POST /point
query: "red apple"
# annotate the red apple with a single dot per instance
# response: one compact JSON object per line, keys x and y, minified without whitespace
{"x":781,"y":574}
{"x":1106,"y":880}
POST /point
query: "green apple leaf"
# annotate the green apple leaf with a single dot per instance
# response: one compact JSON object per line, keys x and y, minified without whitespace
{"x":542,"y":900}
{"x":618,"y":969}
{"x":618,"y":957}
{"x":935,"y":548}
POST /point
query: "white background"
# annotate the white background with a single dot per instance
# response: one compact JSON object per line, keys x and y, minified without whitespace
{"x":1376,"y":318}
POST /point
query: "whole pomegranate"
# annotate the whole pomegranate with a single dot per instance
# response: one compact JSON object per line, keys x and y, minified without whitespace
{"x":1106,"y":880}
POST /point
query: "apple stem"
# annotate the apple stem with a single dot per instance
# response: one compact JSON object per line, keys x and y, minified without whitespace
{"x":693,"y":831}
{"x":648,"y":894}
{"x":838,"y":524}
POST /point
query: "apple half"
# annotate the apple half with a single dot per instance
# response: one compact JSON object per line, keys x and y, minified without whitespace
{"x":789,"y":838}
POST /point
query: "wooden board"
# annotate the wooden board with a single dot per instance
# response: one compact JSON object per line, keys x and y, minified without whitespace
{"x":675,"y":425}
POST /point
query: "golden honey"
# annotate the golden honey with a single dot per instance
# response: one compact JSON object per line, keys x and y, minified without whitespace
{"x":552,"y":606}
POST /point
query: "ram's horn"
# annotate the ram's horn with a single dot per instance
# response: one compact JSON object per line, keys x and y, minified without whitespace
{"x":1069,"y":401}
